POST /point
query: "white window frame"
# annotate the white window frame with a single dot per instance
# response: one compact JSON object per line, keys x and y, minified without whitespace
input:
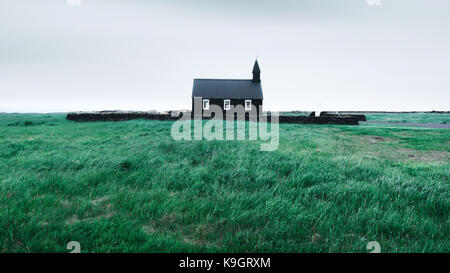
{"x":245,"y":105}
{"x":224,"y":104}
{"x":207,"y":104}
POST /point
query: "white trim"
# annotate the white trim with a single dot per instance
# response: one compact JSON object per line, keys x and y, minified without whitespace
{"x":207,"y":104}
{"x":224,"y":105}
{"x":245,"y":105}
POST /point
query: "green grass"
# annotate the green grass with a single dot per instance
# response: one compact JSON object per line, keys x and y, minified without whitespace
{"x":128,"y":187}
{"x":411,"y":118}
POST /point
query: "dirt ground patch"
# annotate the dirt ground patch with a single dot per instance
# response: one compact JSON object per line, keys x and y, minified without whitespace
{"x":373,"y":139}
{"x":426,"y":156}
{"x":403,"y":154}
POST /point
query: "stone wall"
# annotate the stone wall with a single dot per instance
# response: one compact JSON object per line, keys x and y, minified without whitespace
{"x":359,"y":117}
{"x":118,"y":116}
{"x":123,"y":116}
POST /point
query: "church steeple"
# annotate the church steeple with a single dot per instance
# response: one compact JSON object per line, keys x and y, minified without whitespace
{"x":256,"y":72}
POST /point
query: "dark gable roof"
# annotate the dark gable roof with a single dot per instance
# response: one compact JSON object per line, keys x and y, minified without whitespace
{"x":227,"y":89}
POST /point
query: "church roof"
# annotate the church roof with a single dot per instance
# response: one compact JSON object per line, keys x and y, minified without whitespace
{"x":229,"y":88}
{"x":226,"y":89}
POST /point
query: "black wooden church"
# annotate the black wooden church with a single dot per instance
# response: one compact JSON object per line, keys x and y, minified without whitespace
{"x":230,"y":92}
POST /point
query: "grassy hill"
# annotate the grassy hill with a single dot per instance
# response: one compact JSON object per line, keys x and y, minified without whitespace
{"x":129,"y":187}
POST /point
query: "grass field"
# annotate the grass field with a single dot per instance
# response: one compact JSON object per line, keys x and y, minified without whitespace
{"x":128,"y":187}
{"x":411,"y":118}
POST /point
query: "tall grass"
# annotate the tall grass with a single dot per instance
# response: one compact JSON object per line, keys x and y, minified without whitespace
{"x":128,"y":187}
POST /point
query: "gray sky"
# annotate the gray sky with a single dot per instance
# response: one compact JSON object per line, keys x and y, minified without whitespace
{"x":143,"y":55}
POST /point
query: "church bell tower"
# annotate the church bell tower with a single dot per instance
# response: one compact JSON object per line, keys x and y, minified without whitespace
{"x":256,"y":73}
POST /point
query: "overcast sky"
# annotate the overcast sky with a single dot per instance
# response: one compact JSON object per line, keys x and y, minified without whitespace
{"x":143,"y":55}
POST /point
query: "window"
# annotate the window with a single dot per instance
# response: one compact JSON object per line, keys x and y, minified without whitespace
{"x":205,"y":104}
{"x":248,"y":104}
{"x":226,"y":104}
